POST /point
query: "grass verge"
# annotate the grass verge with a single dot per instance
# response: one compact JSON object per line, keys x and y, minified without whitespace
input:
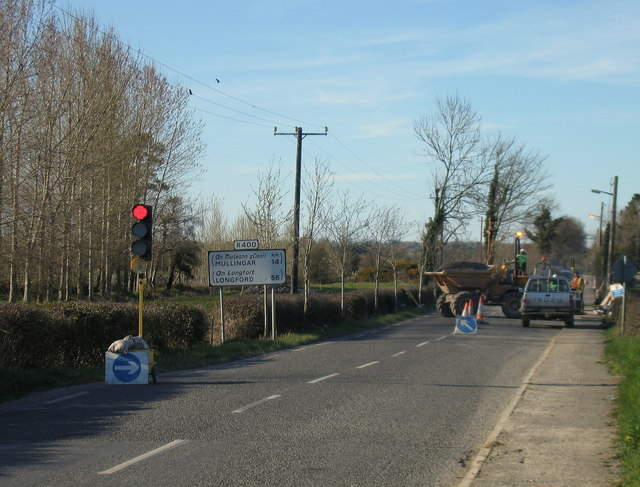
{"x":623,"y":356}
{"x":17,"y":383}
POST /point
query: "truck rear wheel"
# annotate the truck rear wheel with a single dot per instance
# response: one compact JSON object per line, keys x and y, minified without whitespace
{"x":460,"y":300}
{"x":569,"y":322}
{"x":511,"y":304}
{"x":443,"y":307}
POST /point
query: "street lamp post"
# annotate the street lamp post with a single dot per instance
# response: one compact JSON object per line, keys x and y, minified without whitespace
{"x":591,"y":215}
{"x":612,"y":230}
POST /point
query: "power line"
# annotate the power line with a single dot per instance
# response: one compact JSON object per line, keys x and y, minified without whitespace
{"x":184,"y":75}
{"x":371,"y":168}
{"x":228,"y":117}
{"x":386,"y":191}
{"x":404,"y":195}
{"x":232,"y":109}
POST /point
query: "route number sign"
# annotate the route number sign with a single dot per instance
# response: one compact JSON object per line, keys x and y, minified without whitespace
{"x":247,"y":267}
{"x":246,"y":244}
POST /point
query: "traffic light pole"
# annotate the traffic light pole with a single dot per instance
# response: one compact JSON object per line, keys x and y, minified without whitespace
{"x":142,"y":230}
{"x":296,"y":205}
{"x":140,"y":303}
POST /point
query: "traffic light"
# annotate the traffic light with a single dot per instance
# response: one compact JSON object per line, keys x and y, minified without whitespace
{"x":142,"y":230}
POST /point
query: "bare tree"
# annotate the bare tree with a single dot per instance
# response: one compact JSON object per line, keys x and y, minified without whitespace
{"x":215,"y":232}
{"x":451,"y":138}
{"x":380,"y":234}
{"x":267,"y":216}
{"x":515,"y":189}
{"x":397,"y":229}
{"x":317,"y":189}
{"x":86,"y":130}
{"x":344,"y":224}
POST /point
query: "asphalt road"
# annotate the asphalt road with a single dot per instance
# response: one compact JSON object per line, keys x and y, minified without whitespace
{"x":407,"y":404}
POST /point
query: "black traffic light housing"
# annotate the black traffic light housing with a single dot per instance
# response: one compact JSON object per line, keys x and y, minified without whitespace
{"x":142,"y":230}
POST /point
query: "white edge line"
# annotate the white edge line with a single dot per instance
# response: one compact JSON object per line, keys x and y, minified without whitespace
{"x":399,"y":353}
{"x":257,"y":403}
{"x":320,"y":379}
{"x":488,"y":445}
{"x":367,"y":365}
{"x":421,"y":344}
{"x":140,"y":458}
{"x":64,"y":398}
{"x":441,"y":338}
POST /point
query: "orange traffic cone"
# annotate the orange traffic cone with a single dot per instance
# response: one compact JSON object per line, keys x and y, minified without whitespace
{"x":466,"y":311}
{"x":480,"y":314}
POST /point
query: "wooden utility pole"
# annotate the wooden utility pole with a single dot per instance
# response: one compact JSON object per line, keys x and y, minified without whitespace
{"x":296,"y":205}
{"x":612,"y":231}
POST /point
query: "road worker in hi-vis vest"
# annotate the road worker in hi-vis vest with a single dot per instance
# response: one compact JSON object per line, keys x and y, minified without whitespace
{"x":521,"y":261}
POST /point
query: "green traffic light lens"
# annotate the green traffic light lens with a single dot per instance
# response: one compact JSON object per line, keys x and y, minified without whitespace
{"x":139,"y":248}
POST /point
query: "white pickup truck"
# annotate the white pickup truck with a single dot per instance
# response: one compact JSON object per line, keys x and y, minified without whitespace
{"x":549,"y":298}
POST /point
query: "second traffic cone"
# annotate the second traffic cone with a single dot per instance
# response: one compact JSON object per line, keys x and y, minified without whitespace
{"x":466,"y":311}
{"x":480,"y":314}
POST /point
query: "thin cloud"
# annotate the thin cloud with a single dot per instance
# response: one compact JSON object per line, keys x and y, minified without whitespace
{"x":384,"y":129}
{"x":375,"y":177}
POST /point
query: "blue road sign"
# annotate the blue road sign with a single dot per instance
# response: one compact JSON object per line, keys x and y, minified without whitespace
{"x":617,"y":290}
{"x":126,"y":367}
{"x":466,"y":324}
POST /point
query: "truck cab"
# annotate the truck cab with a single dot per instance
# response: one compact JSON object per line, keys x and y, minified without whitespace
{"x":549,"y":298}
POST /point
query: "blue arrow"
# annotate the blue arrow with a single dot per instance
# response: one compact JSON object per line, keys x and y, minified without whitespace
{"x":126,"y":368}
{"x":466,"y":324}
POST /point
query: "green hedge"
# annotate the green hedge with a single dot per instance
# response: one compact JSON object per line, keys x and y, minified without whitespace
{"x":244,"y":314}
{"x":77,"y":334}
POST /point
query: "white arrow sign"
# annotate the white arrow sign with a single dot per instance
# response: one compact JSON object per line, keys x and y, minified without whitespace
{"x":130,"y":368}
{"x":127,"y":368}
{"x":466,"y":324}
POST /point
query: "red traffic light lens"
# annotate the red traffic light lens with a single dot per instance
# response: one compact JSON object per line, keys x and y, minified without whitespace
{"x":140,"y":212}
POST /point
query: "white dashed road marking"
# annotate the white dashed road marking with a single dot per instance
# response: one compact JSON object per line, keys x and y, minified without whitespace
{"x":140,"y":458}
{"x":257,"y":403}
{"x":64,"y":398}
{"x":320,"y":379}
{"x":367,"y":365}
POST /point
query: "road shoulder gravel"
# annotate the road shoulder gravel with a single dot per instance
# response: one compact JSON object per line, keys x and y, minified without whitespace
{"x":561,"y":432}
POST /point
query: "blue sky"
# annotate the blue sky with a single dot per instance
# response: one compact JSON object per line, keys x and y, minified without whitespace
{"x":561,"y":76}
